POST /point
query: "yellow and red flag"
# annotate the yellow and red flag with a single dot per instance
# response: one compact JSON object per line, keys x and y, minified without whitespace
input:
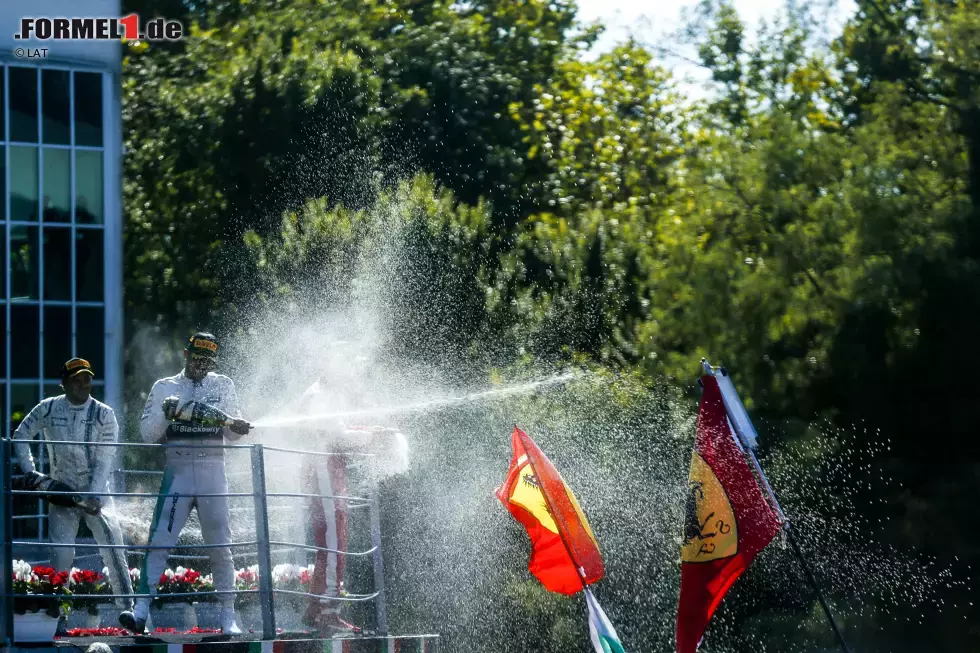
{"x":564,"y":553}
{"x":728,"y":520}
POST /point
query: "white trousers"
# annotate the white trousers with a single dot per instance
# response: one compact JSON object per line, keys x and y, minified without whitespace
{"x":185,"y":480}
{"x":63,"y":529}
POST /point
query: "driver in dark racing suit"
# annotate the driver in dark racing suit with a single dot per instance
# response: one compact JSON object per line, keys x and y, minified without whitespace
{"x":196,"y":407}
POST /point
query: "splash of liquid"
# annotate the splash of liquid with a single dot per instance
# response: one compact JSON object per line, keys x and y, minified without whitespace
{"x":426,"y":406}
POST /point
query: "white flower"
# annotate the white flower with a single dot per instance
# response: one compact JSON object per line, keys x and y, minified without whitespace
{"x":170,"y":573}
{"x":180,"y":571}
{"x":134,"y":575}
{"x":105,"y":571}
{"x":22,"y":571}
{"x":285,"y":572}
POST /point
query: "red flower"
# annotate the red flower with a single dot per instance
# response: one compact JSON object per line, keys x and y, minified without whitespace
{"x":43,"y":571}
{"x":191,"y":575}
{"x":108,"y":631}
{"x":87,"y":576}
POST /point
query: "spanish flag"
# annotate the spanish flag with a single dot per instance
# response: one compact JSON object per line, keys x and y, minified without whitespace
{"x":564,"y":553}
{"x":728,"y":520}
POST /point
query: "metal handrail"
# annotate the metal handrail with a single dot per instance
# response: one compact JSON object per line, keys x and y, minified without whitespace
{"x":128,"y":494}
{"x":310,"y":547}
{"x":303,"y":495}
{"x":321,"y":453}
{"x":177,"y":556}
{"x":143,"y":547}
{"x":322,"y":597}
{"x":165,"y":445}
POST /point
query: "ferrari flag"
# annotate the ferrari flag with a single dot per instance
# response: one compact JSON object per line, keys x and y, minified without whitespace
{"x":727,"y":522}
{"x":563,"y":549}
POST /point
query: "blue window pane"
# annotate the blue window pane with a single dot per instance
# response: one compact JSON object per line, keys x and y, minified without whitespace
{"x":3,"y":179}
{"x":23,"y":184}
{"x":57,"y":263}
{"x":3,"y":270}
{"x":3,"y":350}
{"x":57,"y":185}
{"x":89,"y":257}
{"x":56,"y":125}
{"x":25,"y":327}
{"x":57,"y":339}
{"x":23,"y":104}
{"x":23,"y":262}
{"x":88,"y":187}
{"x":88,"y":109}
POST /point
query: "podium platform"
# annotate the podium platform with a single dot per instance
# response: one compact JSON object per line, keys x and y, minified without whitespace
{"x":422,"y":643}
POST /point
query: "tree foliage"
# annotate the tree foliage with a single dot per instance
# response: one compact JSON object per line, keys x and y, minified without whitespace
{"x":813,"y":223}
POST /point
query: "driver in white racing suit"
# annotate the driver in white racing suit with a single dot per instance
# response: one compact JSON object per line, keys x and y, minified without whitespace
{"x":195,"y":407}
{"x":77,"y":416}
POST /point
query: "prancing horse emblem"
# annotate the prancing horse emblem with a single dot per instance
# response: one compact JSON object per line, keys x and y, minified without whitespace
{"x":710,"y":531}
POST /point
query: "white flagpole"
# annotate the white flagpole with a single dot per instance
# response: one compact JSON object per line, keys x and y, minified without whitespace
{"x":747,"y":440}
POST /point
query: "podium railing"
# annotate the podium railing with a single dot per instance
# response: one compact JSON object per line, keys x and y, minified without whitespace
{"x":261,"y":544}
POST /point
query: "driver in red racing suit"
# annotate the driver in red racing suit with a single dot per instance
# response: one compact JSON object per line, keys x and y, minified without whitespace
{"x":327,"y":477}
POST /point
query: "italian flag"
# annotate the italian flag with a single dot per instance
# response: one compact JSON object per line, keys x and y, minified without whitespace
{"x":601,"y":631}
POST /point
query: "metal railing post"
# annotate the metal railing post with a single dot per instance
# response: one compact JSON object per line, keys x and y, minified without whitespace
{"x":381,"y":608}
{"x":7,"y":557}
{"x":262,"y":536}
{"x":42,"y":455}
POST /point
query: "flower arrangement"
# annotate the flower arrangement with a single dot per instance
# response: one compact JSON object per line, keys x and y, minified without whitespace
{"x":188,"y":581}
{"x":31,"y":581}
{"x":246,"y":579}
{"x":292,"y":577}
{"x":86,"y":581}
{"x":183,"y":581}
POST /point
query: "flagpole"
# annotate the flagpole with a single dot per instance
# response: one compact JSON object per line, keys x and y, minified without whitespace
{"x":747,"y":443}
